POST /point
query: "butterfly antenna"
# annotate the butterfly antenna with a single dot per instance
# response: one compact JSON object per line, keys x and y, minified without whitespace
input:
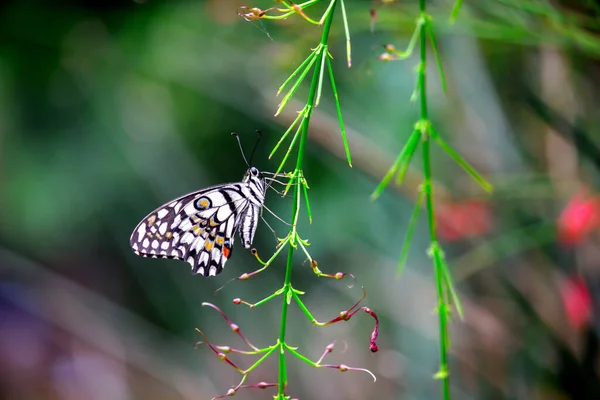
{"x":258,"y":135}
{"x":241,"y":149}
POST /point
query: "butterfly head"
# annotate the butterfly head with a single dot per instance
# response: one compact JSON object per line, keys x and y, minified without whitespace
{"x":254,"y":177}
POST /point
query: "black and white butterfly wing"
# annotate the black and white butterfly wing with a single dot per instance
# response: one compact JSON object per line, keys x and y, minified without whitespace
{"x":199,"y":228}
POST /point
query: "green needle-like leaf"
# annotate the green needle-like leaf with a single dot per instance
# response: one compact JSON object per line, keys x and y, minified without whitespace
{"x":305,"y":191}
{"x":347,"y":33}
{"x":436,"y":54}
{"x":409,"y":148}
{"x":289,"y":150}
{"x":455,"y":10}
{"x":321,"y":71}
{"x":296,"y":85}
{"x":326,"y":13}
{"x":452,"y":289}
{"x":414,"y":140}
{"x":298,"y":118}
{"x":301,"y":67}
{"x":462,"y":162}
{"x":409,"y":232}
{"x":339,"y":112}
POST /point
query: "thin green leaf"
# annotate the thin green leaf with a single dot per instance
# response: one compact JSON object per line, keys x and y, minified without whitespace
{"x":406,"y":163}
{"x":303,"y":307}
{"x":387,"y":178}
{"x":326,"y":13}
{"x":321,"y":71}
{"x":305,"y":191}
{"x":408,"y":148}
{"x":455,"y":10}
{"x":417,"y":90}
{"x":306,"y":61}
{"x":462,"y":162}
{"x":409,"y":232}
{"x":436,"y":54}
{"x":347,"y":33}
{"x":289,"y":150}
{"x":339,"y":112}
{"x":300,"y":115}
{"x":293,"y":89}
{"x":453,"y":294}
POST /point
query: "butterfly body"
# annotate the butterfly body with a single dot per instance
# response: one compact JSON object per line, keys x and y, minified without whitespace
{"x":199,"y":227}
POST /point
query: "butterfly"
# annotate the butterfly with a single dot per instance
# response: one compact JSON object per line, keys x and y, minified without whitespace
{"x":199,"y":228}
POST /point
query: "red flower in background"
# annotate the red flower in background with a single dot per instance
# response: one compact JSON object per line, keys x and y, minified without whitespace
{"x":580,"y":217}
{"x":465,"y":219}
{"x":577,"y":301}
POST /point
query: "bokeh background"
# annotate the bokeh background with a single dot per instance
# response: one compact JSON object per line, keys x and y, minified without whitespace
{"x":110,"y":108}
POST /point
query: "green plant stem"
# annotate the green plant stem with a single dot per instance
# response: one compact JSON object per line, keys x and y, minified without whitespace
{"x":428,"y":187}
{"x":287,"y":285}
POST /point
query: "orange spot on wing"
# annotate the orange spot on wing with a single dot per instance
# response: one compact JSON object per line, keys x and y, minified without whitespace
{"x":203,"y":203}
{"x":226,"y":252}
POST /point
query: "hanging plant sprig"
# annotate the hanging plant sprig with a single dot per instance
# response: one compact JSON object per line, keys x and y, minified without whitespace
{"x":422,"y":134}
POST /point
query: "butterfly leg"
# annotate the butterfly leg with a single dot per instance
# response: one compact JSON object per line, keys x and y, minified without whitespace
{"x":280,"y":193}
{"x":269,"y":226}
{"x":275,"y":215}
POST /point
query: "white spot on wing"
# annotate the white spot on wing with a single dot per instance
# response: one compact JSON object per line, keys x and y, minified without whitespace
{"x":176,"y":222}
{"x":155,"y":244}
{"x":199,"y":244}
{"x":164,"y":245}
{"x":204,"y":257}
{"x":223,"y":213}
{"x":178,"y":207}
{"x":212,"y":271}
{"x":188,"y":237}
{"x":201,"y":270}
{"x":163,"y":228}
{"x":185,"y":225}
{"x":145,"y":243}
{"x":162,"y":213}
{"x":141,"y":231}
